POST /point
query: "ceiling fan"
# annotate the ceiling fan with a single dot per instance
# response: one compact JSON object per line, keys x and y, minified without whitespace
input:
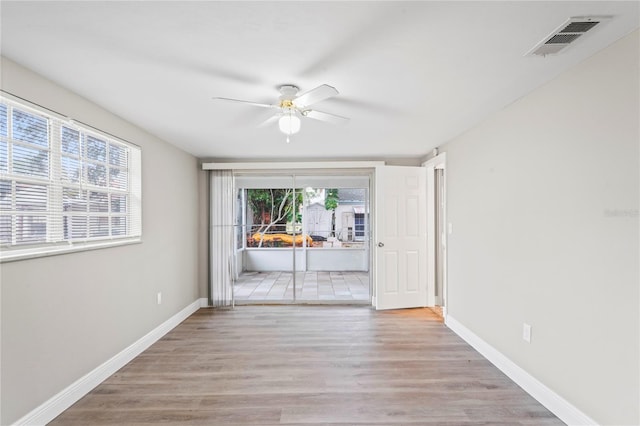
{"x":291,"y":107}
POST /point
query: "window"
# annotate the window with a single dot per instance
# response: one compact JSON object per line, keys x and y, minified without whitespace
{"x":62,"y":186}
{"x":359,"y":222}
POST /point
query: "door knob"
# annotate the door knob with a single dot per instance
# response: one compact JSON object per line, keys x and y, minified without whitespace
{"x":380,"y":244}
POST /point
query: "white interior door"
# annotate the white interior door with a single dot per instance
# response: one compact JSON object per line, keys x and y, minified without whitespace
{"x":401,"y":237}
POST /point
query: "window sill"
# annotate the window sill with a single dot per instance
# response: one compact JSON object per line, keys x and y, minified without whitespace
{"x":33,"y":253}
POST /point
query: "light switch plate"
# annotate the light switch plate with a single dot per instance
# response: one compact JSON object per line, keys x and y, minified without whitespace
{"x":526,"y":332}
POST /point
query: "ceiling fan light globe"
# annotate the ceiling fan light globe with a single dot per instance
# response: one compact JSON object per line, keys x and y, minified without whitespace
{"x":289,"y":124}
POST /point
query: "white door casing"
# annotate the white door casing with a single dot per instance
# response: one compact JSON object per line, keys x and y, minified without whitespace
{"x":436,"y":261}
{"x":401,"y":237}
{"x":440,"y":245}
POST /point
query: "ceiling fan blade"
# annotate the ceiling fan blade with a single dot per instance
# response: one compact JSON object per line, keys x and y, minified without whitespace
{"x":325,"y":116}
{"x":318,"y":94}
{"x":269,"y":120}
{"x":246,"y":102}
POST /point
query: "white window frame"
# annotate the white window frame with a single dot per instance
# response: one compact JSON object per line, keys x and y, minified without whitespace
{"x":55,"y":242}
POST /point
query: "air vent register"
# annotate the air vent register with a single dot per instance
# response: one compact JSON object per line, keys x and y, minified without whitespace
{"x":567,"y":33}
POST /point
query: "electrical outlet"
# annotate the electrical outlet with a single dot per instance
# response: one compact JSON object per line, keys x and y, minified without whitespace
{"x":526,"y":332}
{"x":159,"y":298}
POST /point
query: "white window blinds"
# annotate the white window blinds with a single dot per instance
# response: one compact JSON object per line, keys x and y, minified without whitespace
{"x":61,"y":183}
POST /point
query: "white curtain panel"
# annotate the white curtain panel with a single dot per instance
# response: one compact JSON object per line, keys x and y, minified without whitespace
{"x":222,"y":250}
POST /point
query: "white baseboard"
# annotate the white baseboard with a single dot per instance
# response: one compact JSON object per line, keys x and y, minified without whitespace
{"x":53,"y":407}
{"x":559,"y":406}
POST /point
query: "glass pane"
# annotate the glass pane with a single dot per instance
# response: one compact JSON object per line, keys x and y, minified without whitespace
{"x":70,"y":169}
{"x":70,"y":141}
{"x":3,"y":156}
{"x":30,"y":197}
{"x":30,"y":128}
{"x":74,"y":200}
{"x":98,"y":201}
{"x":334,"y":217}
{"x":96,"y":149}
{"x":117,"y":155}
{"x":3,"y":120}
{"x":118,"y":225}
{"x":5,"y":229}
{"x":118,"y":203}
{"x":96,"y":174}
{"x":31,"y":229}
{"x":30,"y":161}
{"x":98,"y":226}
{"x":270,"y":217}
{"x":75,"y":227}
{"x":5,"y":195}
{"x":117,"y":178}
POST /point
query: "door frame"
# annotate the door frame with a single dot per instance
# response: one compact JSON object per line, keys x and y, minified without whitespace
{"x":344,"y":173}
{"x":436,"y":163}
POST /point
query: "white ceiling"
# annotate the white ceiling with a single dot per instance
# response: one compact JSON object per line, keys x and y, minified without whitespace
{"x":411,"y":75}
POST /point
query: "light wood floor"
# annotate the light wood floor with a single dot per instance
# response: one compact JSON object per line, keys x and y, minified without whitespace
{"x":308,"y":365}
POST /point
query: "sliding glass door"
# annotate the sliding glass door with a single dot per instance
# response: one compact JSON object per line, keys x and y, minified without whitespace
{"x":264,"y":248}
{"x":302,"y":239}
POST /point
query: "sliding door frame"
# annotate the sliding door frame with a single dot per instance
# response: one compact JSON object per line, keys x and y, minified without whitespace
{"x":355,"y":170}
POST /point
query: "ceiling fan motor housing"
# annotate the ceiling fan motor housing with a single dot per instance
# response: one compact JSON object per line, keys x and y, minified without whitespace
{"x":288,"y":92}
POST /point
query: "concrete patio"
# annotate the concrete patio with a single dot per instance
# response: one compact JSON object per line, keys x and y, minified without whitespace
{"x":311,"y":287}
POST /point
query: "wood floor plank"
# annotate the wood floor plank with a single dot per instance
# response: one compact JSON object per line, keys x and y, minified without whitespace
{"x":308,"y":365}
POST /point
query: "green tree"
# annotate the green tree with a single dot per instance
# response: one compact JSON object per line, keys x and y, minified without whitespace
{"x":273,"y":207}
{"x":331,"y":201}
